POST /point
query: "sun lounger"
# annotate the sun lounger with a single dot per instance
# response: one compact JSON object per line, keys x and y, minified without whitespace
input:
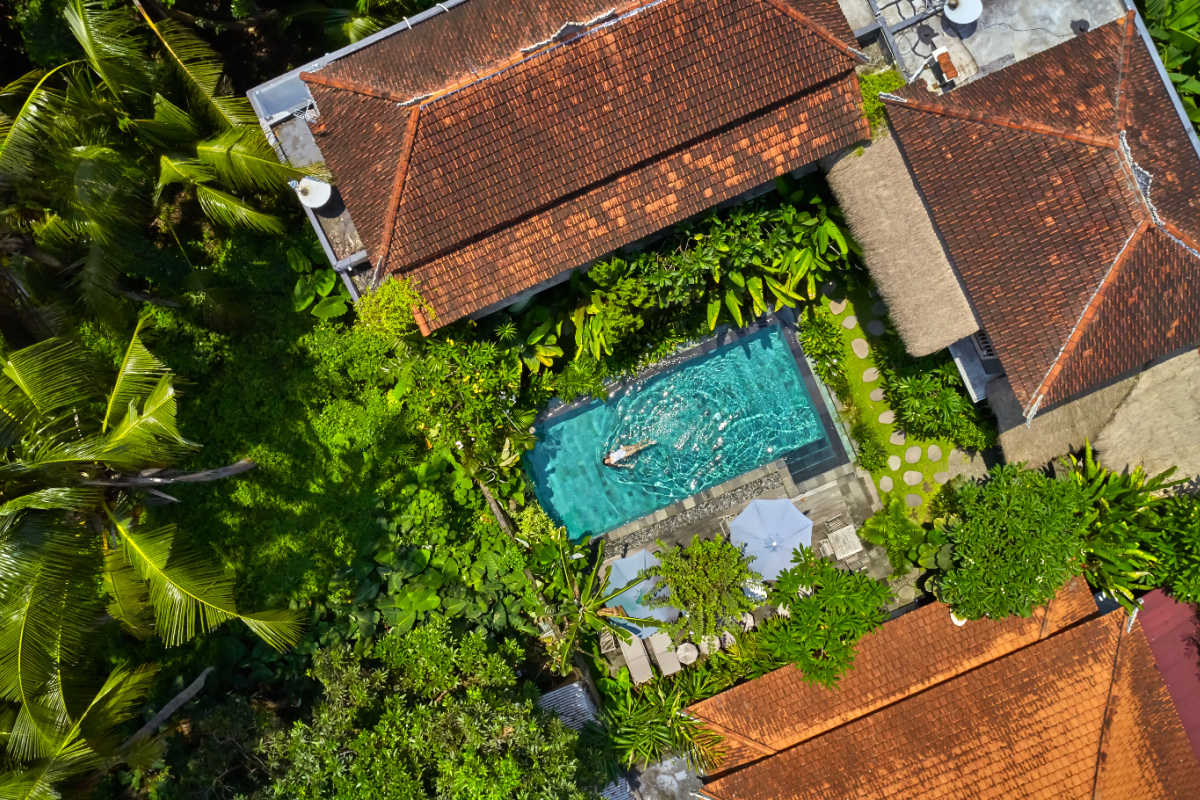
{"x":636,"y":659}
{"x":664,"y":653}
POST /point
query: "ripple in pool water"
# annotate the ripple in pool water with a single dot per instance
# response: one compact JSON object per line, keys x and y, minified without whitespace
{"x":712,"y":417}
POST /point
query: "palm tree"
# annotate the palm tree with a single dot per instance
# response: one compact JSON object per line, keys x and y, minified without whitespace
{"x":96,"y":149}
{"x":76,"y":458}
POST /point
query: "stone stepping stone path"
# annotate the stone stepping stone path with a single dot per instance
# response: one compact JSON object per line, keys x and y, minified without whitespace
{"x":875,"y":327}
{"x":941,"y":478}
{"x":849,"y":322}
{"x":885,"y":484}
{"x":870,"y":375}
{"x":913,"y":500}
{"x":912,"y":477}
{"x":897,"y":438}
{"x":877,"y":395}
{"x":860,"y":347}
{"x":838,"y":306}
{"x":913,"y":454}
{"x":935,"y":453}
{"x":893,"y":463}
{"x":887,"y":417}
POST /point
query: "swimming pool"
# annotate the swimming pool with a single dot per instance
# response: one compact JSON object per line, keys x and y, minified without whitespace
{"x":713,"y":417}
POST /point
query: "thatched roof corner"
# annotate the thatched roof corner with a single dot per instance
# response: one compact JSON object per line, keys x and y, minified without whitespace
{"x":1056,"y":431}
{"x":1158,"y":425}
{"x":901,"y":249}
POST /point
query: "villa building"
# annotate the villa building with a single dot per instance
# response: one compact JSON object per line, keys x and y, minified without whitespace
{"x":1066,"y":704}
{"x":485,"y":152}
{"x":1064,"y":190}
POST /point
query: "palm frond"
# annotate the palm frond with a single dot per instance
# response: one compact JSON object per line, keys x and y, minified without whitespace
{"x":242,"y":159}
{"x":75,"y":747}
{"x":23,"y":134}
{"x":96,"y":279}
{"x":138,"y":374}
{"x":232,"y":212}
{"x":200,"y":68}
{"x":171,"y":125}
{"x":173,"y":170}
{"x":105,"y":192}
{"x":146,"y":435}
{"x":52,"y":374}
{"x":58,"y":497}
{"x":129,"y":600}
{"x":110,"y":42}
{"x":190,"y":595}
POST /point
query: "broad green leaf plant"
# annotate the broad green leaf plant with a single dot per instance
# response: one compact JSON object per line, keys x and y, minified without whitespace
{"x":78,"y":454}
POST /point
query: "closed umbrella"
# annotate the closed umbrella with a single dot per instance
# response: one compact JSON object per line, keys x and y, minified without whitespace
{"x":623,"y":571}
{"x":768,"y":531}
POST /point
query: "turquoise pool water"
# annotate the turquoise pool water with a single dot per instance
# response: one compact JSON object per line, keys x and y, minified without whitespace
{"x":713,"y":417}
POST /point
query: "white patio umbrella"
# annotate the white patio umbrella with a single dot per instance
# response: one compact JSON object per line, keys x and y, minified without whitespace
{"x":768,"y":531}
{"x":623,"y":571}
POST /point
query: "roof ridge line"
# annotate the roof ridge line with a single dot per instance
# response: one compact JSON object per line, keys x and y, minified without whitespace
{"x":765,"y":750}
{"x":1105,"y":720}
{"x":1122,"y":69}
{"x":1028,"y":126}
{"x":1180,"y":237}
{"x":350,"y":86}
{"x":789,"y":10}
{"x":1088,"y":314}
{"x":393,"y":209}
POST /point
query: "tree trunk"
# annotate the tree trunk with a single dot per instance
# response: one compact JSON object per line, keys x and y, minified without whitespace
{"x":168,"y":478}
{"x":166,"y":711}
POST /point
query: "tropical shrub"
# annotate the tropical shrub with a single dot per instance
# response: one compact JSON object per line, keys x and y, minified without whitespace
{"x":931,"y":404}
{"x":704,"y":581}
{"x":1016,"y":539}
{"x":828,"y":611}
{"x":892,"y":528}
{"x":872,"y":84}
{"x":1178,"y":548}
{"x":1121,"y":523}
{"x":872,"y":453}
{"x":428,"y":714}
{"x":821,"y":339}
{"x":645,"y":725}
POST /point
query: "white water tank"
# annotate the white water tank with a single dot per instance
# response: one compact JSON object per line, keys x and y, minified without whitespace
{"x":313,"y":193}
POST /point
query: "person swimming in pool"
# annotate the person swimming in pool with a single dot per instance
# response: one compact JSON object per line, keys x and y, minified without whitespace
{"x":618,"y":456}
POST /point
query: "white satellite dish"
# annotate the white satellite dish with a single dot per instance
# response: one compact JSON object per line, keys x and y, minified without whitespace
{"x":314,"y":193}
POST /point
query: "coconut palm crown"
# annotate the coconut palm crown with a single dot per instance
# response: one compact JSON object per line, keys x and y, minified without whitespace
{"x":78,"y":455}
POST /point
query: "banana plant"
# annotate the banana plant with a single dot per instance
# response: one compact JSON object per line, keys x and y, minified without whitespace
{"x":576,"y":589}
{"x":537,"y":348}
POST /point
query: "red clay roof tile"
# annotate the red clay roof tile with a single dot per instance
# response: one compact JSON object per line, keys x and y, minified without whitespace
{"x":904,"y":657}
{"x":1080,"y":714}
{"x":562,"y":155}
{"x":1031,"y":176}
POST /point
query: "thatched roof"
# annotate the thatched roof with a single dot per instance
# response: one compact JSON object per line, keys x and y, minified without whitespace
{"x":1151,"y":419}
{"x":1056,"y":431}
{"x":901,"y":249}
{"x":1158,"y":425}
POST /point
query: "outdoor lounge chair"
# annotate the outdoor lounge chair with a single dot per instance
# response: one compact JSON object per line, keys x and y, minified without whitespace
{"x":664,"y":653}
{"x":636,"y":659}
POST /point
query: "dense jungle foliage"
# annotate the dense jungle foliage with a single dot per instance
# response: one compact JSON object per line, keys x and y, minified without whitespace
{"x":218,"y":477}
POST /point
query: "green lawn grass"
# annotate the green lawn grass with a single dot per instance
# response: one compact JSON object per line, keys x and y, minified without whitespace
{"x":861,"y":306}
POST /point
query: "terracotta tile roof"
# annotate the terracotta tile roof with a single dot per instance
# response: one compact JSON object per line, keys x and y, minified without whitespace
{"x":905,"y":656}
{"x":543,"y":161}
{"x":1036,"y":177}
{"x":1080,"y":714}
{"x":1173,"y":629}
